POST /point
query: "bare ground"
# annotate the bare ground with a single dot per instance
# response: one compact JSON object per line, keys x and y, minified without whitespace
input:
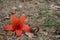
{"x":44,"y":14}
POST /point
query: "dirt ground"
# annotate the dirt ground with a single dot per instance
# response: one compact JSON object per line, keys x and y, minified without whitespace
{"x":44,"y":14}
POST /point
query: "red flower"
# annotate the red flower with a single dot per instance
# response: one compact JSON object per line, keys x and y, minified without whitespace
{"x":17,"y":25}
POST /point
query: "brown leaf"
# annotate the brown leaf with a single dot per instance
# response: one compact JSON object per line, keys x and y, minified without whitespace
{"x":57,"y":32}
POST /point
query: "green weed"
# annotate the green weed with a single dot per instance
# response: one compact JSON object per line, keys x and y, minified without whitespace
{"x":51,"y":22}
{"x":1,"y":1}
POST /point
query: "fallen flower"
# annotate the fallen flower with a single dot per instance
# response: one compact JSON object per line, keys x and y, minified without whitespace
{"x":17,"y":25}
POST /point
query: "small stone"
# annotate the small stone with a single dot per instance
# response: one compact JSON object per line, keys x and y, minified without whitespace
{"x":30,"y":35}
{"x":1,"y":37}
{"x":14,"y":8}
{"x":20,"y":6}
{"x":10,"y":33}
{"x":57,"y":13}
{"x":23,"y":14}
{"x":44,"y":32}
{"x":55,"y":7}
{"x":52,"y":6}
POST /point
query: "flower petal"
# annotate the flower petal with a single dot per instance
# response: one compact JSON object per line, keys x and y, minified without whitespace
{"x":22,"y":19}
{"x":13,"y":19}
{"x":18,"y":32}
{"x":26,"y":28}
{"x":9,"y":27}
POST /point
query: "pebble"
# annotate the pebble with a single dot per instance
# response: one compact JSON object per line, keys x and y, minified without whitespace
{"x":30,"y":35}
{"x":20,"y":6}
{"x":57,"y":13}
{"x":14,"y":8}
{"x":10,"y":33}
